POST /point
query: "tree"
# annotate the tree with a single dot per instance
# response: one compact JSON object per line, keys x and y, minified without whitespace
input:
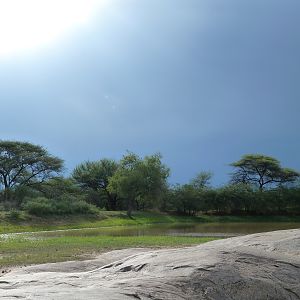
{"x":25,"y":164}
{"x":139,"y":179}
{"x":58,"y":186}
{"x":202,"y":180}
{"x":95,"y":175}
{"x":186,"y":199}
{"x":261,"y":170}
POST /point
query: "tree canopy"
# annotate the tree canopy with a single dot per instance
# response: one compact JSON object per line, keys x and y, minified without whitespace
{"x":95,"y":175}
{"x":23,"y":163}
{"x":139,"y":179}
{"x":31,"y":179}
{"x":261,"y":170}
{"x":202,"y":180}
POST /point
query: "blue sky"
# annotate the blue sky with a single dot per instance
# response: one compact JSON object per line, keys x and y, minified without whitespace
{"x":201,"y":81}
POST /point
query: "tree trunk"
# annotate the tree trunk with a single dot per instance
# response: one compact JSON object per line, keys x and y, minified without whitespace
{"x":137,"y":205}
{"x":112,"y":201}
{"x":129,"y":208}
{"x":6,"y":194}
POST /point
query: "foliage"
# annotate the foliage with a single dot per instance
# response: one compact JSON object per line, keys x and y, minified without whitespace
{"x":25,"y":164}
{"x":186,"y":199}
{"x":261,"y":170}
{"x":202,"y":180}
{"x":29,"y":178}
{"x":65,"y":205}
{"x":236,"y":199}
{"x":39,"y":206}
{"x":195,"y":196}
{"x":13,"y":215}
{"x":95,"y":176}
{"x":139,"y":181}
{"x":57,"y":187}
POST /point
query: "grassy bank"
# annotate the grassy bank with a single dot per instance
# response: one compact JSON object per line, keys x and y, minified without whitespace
{"x":24,"y":250}
{"x":28,"y":223}
{"x":38,"y":247}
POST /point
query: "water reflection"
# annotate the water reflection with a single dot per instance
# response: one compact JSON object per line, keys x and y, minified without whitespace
{"x":204,"y":229}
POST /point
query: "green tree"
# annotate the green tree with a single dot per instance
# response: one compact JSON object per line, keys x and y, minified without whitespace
{"x":95,"y":175}
{"x":235,"y":198}
{"x":25,"y":164}
{"x":186,"y":199}
{"x":202,"y":180}
{"x":193,"y":197}
{"x":139,"y":179}
{"x":261,"y":170}
{"x":57,"y":187}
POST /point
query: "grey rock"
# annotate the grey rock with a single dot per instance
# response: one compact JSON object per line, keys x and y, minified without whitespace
{"x":258,"y":266}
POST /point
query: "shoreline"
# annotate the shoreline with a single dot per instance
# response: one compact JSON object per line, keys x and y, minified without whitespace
{"x":231,"y":268}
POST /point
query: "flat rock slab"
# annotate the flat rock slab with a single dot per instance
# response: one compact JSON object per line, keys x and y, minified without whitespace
{"x":258,"y":266}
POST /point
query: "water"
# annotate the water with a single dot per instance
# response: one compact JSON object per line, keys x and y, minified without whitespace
{"x":203,"y":229}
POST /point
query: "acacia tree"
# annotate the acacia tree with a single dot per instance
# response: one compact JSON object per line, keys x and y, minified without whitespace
{"x":138,"y":178}
{"x":261,"y":170}
{"x":95,"y":175}
{"x":25,"y":164}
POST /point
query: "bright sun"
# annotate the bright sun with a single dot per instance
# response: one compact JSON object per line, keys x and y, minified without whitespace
{"x":30,"y":24}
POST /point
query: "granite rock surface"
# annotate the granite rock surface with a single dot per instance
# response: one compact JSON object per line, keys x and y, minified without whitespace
{"x":258,"y":266}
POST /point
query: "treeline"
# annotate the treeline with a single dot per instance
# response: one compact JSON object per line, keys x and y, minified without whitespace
{"x":234,"y":199}
{"x":31,"y":179}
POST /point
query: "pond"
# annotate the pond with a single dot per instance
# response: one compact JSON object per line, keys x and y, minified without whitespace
{"x":189,"y":229}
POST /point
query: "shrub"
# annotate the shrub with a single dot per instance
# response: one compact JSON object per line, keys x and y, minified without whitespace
{"x":65,"y":205}
{"x":13,"y":214}
{"x":82,"y":207}
{"x":39,"y":206}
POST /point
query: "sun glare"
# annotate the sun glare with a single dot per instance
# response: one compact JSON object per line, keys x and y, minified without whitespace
{"x":30,"y":24}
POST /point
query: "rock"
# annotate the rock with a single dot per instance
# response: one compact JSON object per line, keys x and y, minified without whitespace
{"x":258,"y":266}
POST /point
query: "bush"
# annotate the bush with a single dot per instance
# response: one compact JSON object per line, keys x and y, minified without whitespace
{"x":65,"y":205}
{"x":13,"y":214}
{"x":39,"y":206}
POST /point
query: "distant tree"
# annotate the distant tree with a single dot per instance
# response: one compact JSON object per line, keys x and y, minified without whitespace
{"x":202,"y":180}
{"x":261,"y":170}
{"x":95,"y":175}
{"x":25,"y":164}
{"x":235,"y":198}
{"x":139,"y":179}
{"x":186,"y":199}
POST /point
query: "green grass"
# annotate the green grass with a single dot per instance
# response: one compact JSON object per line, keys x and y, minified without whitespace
{"x":36,"y":248}
{"x":27,"y":223}
{"x":24,"y":250}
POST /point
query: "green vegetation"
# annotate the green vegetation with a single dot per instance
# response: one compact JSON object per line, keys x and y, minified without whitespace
{"x":23,"y":250}
{"x":262,"y":170}
{"x":94,"y":178}
{"x":28,"y":223}
{"x":25,"y":164}
{"x":42,"y":247}
{"x":139,"y":181}
{"x":31,"y":181}
{"x":66,"y":205}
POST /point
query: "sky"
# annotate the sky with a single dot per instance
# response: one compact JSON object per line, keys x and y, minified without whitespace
{"x":203,"y":82}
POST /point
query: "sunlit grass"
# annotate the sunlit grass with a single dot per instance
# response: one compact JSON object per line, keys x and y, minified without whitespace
{"x":21,"y":250}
